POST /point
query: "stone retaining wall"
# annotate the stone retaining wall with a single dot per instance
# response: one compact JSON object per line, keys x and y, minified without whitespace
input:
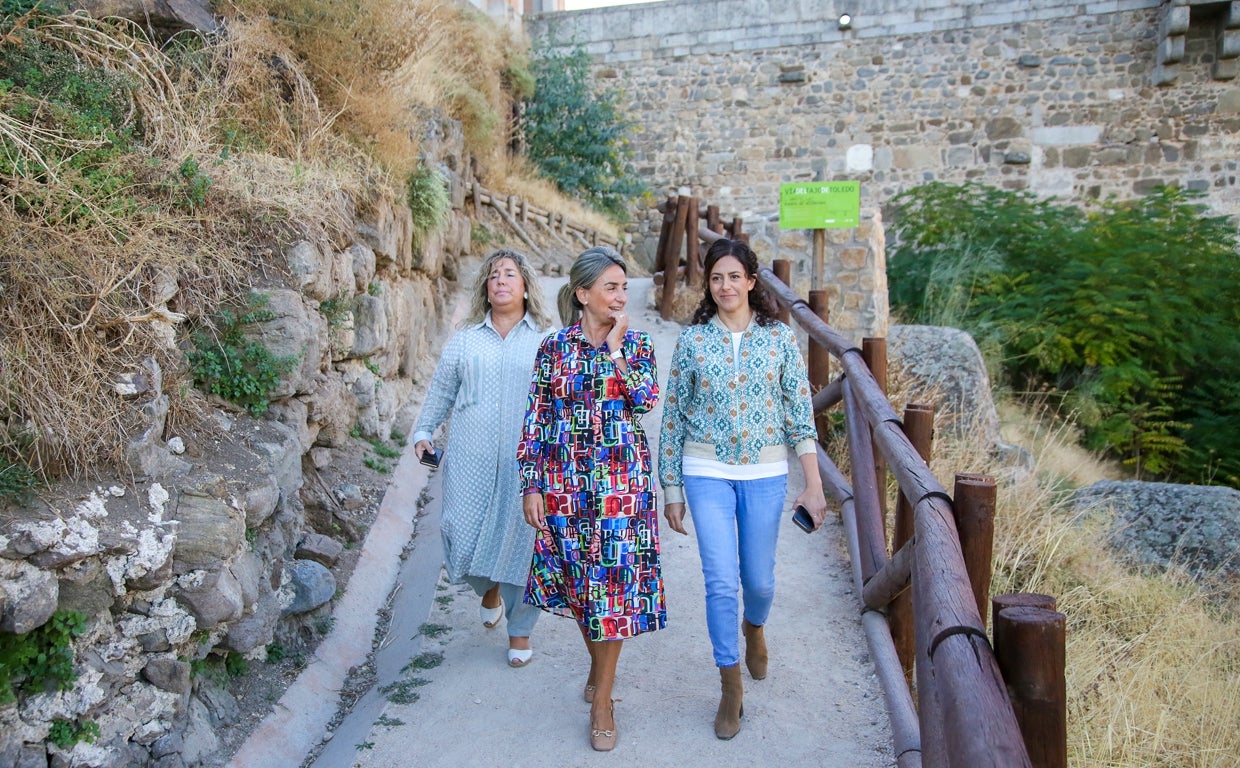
{"x":221,"y":540}
{"x":1073,"y":99}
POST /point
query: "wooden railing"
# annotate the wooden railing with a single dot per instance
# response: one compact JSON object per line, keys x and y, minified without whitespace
{"x":924,"y":606}
{"x":518,"y":213}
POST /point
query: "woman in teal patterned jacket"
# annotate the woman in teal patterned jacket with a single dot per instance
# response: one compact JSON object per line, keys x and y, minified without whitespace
{"x":737,"y":399}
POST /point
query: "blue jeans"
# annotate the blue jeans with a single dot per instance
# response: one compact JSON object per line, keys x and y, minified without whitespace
{"x":737,"y":527}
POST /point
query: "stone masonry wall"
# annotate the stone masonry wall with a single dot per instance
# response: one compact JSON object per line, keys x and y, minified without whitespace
{"x":734,"y":98}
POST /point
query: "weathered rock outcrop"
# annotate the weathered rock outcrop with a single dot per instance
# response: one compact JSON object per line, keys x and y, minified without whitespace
{"x":1195,"y":527}
{"x":215,"y":543}
{"x":949,"y":368}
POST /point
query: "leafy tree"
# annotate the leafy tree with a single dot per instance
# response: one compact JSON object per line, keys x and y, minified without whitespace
{"x":575,"y":135}
{"x":1127,"y":311}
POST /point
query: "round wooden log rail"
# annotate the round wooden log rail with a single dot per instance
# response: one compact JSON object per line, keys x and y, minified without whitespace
{"x":951,"y":639}
{"x":905,"y":731}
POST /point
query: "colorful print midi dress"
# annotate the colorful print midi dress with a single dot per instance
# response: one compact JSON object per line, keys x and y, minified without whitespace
{"x":583,"y":448}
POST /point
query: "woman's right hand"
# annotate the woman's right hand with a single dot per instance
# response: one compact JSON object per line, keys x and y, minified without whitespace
{"x":421,"y":447}
{"x":675,"y":515}
{"x":535,"y":510}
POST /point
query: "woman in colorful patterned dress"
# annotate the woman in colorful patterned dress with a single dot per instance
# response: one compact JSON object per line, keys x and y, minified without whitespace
{"x":737,"y":400}
{"x":586,"y":474}
{"x":483,"y":381}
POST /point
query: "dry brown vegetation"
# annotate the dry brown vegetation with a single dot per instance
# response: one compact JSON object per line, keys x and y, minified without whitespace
{"x":294,"y":116}
{"x":382,"y":67}
{"x":91,"y":251}
{"x":1153,"y":660}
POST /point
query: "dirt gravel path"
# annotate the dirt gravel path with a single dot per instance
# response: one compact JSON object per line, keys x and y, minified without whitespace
{"x":446,"y":697}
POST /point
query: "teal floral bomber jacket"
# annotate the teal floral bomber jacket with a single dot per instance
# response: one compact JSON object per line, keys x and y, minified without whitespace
{"x":737,"y":411}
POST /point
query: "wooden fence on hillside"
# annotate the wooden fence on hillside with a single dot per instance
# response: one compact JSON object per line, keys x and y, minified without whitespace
{"x":518,"y":214}
{"x":954,"y":698}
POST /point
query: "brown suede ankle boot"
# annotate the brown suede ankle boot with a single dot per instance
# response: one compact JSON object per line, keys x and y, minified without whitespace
{"x":755,"y":650}
{"x":731,"y":706}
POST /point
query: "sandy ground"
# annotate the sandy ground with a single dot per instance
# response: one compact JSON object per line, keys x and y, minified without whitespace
{"x":445,"y":696}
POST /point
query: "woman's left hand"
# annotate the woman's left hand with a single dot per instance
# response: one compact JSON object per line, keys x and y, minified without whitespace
{"x":815,"y":503}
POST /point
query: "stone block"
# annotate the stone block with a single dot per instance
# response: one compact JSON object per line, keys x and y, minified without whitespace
{"x":212,"y":598}
{"x":309,"y":585}
{"x":167,"y":674}
{"x":853,"y":258}
{"x":28,"y":596}
{"x":210,"y":531}
{"x":1004,"y":128}
{"x":1066,"y":135}
{"x":320,"y":548}
{"x":1077,"y":157}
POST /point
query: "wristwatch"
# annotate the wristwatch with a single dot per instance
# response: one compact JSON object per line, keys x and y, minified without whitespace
{"x":617,"y":354}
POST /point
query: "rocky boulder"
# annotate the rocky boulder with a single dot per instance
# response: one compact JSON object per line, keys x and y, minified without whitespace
{"x":949,"y":369}
{"x":1162,"y":524}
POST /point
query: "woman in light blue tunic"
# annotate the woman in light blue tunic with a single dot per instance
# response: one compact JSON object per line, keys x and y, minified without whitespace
{"x":483,"y":381}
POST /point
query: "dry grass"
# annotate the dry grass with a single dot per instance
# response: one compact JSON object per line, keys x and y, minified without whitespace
{"x":84,"y":281}
{"x":1153,"y":662}
{"x":291,"y":119}
{"x":384,"y":67}
{"x":516,"y":176}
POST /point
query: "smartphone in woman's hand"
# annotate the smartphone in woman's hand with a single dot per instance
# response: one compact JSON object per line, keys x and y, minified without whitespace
{"x":802,"y":519}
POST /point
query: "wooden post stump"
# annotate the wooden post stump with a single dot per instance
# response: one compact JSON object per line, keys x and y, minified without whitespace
{"x":1030,"y":649}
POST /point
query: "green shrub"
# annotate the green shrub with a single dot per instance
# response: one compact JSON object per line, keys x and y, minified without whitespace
{"x":335,"y":309}
{"x":66,"y":733}
{"x":235,"y":367}
{"x":41,"y":659}
{"x":17,"y":482}
{"x":236,"y":665}
{"x":11,"y":9}
{"x":192,"y":185}
{"x":429,"y":202}
{"x":575,"y":135}
{"x":87,"y":123}
{"x":1127,"y":311}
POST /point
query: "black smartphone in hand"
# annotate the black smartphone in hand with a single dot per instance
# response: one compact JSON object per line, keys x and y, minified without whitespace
{"x":431,"y":458}
{"x":802,"y":519}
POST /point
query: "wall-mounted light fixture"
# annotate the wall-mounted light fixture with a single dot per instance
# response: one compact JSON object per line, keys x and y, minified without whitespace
{"x":845,"y":22}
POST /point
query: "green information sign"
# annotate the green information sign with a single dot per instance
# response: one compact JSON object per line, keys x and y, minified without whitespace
{"x":820,"y":205}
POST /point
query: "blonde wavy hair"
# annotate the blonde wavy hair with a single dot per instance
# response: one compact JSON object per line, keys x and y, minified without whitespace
{"x":535,"y":304}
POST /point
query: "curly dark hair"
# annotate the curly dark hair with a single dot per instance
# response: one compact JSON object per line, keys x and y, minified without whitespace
{"x":760,"y":301}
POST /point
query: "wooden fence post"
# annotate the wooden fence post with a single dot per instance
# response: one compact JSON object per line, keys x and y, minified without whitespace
{"x":919,"y":429}
{"x":783,"y":270}
{"x":1030,"y":648}
{"x":668,"y":207}
{"x":874,"y":352}
{"x":974,"y":510}
{"x":1020,"y":600}
{"x":819,"y":356}
{"x":671,"y":257}
{"x":818,"y":360}
{"x":693,"y":255}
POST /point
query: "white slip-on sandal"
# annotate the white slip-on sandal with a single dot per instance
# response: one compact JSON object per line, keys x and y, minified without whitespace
{"x":491,"y":616}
